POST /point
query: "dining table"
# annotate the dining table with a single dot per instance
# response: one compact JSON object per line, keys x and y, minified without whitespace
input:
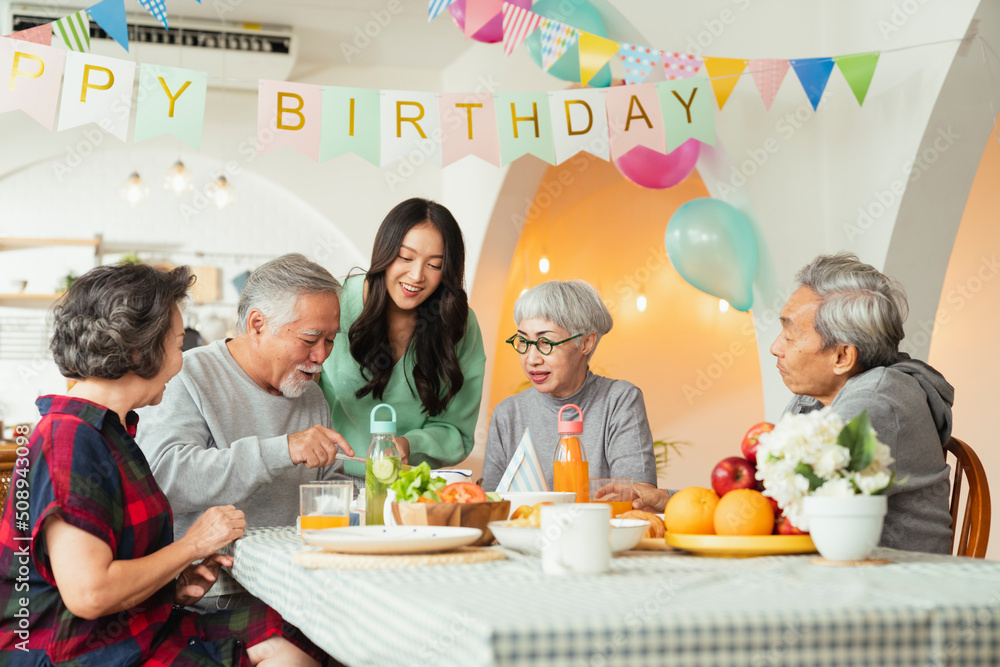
{"x":655,"y":608}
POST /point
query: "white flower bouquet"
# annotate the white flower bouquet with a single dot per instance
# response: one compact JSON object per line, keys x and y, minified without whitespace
{"x":817,"y":454}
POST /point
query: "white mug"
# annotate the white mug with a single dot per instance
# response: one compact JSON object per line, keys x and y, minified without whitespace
{"x":576,"y":538}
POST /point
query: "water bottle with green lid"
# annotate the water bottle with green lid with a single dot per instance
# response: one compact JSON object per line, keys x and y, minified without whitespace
{"x":381,"y":466}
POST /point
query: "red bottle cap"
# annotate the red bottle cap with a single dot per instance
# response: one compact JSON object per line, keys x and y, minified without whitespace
{"x":568,"y":427}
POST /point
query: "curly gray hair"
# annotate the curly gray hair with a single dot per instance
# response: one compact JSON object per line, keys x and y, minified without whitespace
{"x":115,"y":319}
{"x":274,"y":288}
{"x":573,"y":305}
{"x":859,"y":306}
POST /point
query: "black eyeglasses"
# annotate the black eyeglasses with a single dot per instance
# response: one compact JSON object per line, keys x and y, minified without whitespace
{"x":543,"y":345}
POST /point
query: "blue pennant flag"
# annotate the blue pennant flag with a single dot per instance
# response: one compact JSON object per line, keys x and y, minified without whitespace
{"x":110,"y":15}
{"x":813,"y":74}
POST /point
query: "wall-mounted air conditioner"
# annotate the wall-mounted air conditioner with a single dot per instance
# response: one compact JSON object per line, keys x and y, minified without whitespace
{"x":235,"y":55}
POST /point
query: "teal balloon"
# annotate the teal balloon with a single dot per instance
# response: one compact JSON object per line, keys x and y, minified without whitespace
{"x":581,"y":15}
{"x":714,"y":248}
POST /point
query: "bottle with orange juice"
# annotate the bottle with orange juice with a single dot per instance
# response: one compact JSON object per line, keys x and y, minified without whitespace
{"x":570,"y":470}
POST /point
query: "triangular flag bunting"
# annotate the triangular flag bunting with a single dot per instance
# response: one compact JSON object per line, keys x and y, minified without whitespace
{"x":158,"y":9}
{"x":638,"y":62}
{"x":74,"y":30}
{"x":680,"y":65}
{"x":556,"y":38}
{"x":858,"y":71}
{"x":40,"y":34}
{"x":110,"y":15}
{"x":434,"y":8}
{"x":725,"y":74}
{"x":595,"y":52}
{"x":768,"y":74}
{"x":478,"y":13}
{"x":518,"y":23}
{"x":813,"y":73}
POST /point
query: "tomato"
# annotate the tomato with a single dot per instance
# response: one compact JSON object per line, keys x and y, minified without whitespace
{"x":462,"y":492}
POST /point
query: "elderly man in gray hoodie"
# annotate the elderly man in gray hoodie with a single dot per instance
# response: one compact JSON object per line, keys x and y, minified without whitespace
{"x":839,"y":347}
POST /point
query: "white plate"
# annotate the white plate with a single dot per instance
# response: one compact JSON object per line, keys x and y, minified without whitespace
{"x":392,"y":539}
{"x":625,"y":535}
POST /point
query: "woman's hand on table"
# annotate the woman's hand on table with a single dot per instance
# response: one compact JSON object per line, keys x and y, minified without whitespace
{"x":649,"y":498}
{"x":197,"y":579}
{"x":214,"y":529}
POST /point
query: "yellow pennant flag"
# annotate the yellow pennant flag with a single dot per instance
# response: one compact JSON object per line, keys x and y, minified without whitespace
{"x":724,"y":73}
{"x":595,"y":52}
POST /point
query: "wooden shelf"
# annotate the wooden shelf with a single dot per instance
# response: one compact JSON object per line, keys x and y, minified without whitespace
{"x":8,"y":243}
{"x":28,"y":300}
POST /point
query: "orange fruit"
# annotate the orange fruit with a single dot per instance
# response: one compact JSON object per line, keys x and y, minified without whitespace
{"x":744,"y":512}
{"x":691,"y":511}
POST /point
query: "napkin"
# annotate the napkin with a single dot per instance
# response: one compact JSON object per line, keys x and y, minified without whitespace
{"x":524,"y":474}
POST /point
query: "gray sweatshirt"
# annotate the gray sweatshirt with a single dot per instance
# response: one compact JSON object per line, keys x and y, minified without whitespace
{"x":616,"y":432}
{"x":217,"y":438}
{"x":909,"y":404}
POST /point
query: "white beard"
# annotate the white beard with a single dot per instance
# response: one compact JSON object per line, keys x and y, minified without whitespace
{"x":294,"y":385}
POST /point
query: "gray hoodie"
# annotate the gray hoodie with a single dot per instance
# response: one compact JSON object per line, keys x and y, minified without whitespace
{"x":909,"y":404}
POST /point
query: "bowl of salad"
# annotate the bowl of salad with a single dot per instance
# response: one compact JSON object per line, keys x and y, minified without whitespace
{"x":423,"y":499}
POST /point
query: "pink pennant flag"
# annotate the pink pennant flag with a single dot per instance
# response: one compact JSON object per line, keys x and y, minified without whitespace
{"x":678,"y":65}
{"x":36,"y":72}
{"x":768,"y":74}
{"x":40,"y":34}
{"x":634,"y":118}
{"x":478,"y":13}
{"x":518,"y":23}
{"x":289,"y":114}
{"x":469,"y":127}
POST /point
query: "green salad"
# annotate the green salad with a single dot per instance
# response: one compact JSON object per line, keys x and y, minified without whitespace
{"x":417,"y":483}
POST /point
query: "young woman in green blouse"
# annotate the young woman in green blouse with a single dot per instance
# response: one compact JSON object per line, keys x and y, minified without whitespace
{"x":408,"y":338}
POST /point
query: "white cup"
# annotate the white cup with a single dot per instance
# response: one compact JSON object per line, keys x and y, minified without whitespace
{"x":576,"y":538}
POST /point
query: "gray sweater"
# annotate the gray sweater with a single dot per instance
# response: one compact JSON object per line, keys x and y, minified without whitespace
{"x":217,"y":438}
{"x":909,"y":404}
{"x":616,"y":432}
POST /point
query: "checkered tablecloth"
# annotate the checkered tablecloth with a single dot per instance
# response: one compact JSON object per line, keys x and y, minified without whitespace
{"x":660,"y":609}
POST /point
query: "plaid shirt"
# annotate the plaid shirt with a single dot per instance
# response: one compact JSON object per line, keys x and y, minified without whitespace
{"x":84,"y":466}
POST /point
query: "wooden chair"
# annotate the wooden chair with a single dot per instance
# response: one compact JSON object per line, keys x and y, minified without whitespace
{"x":976,"y":522}
{"x":7,"y":458}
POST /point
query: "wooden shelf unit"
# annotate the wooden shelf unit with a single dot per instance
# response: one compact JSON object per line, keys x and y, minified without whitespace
{"x":44,"y":301}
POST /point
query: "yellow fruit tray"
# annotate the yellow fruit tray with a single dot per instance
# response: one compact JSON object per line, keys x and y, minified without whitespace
{"x":742,"y":546}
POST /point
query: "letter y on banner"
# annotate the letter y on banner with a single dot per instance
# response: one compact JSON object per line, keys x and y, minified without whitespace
{"x":289,"y":114}
{"x":97,"y":89}
{"x":172,"y":102}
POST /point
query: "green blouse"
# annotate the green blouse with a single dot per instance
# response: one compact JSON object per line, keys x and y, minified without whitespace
{"x":442,"y":440}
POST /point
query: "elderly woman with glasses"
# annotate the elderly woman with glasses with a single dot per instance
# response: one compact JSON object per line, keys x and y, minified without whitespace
{"x":558,"y":327}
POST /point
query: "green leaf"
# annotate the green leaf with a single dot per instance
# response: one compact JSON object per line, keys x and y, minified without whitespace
{"x":859,"y":438}
{"x":806,"y":471}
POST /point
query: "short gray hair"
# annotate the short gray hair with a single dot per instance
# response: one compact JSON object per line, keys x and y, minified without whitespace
{"x":859,"y":306}
{"x":274,"y":288}
{"x":573,"y":305}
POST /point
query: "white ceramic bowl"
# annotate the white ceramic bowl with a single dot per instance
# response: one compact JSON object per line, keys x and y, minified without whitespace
{"x":625,"y":535}
{"x":517,"y":499}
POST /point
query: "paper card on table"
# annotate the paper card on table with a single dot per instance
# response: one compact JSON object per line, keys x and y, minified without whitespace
{"x":411,"y":123}
{"x":97,"y":89}
{"x":174,"y":103}
{"x":579,"y":122}
{"x":36,"y":72}
{"x":524,"y":473}
{"x":634,"y":118}
{"x":469,"y":127}
{"x":289,"y":114}
{"x":350,"y":123}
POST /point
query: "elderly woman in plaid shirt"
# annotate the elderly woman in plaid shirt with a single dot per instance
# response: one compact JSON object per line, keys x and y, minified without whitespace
{"x":89,"y":571}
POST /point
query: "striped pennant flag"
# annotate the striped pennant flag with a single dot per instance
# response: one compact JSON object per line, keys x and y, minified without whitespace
{"x":518,"y":23}
{"x":158,"y":9}
{"x":435,"y":7}
{"x":638,"y":62}
{"x":74,"y":30}
{"x":557,"y":37}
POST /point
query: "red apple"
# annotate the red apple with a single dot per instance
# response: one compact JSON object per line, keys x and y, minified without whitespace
{"x":752,"y":439}
{"x":785,"y":527}
{"x":774,"y":506}
{"x":731,"y":473}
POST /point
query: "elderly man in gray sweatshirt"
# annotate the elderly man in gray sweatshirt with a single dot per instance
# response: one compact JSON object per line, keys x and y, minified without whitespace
{"x":839,"y":347}
{"x":244,"y":423}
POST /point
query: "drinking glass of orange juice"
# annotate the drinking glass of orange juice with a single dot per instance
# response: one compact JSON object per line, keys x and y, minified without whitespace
{"x":615,"y":492}
{"x":325,"y":504}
